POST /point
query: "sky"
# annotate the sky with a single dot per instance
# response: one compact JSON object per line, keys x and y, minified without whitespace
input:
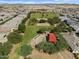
{"x":40,"y":1}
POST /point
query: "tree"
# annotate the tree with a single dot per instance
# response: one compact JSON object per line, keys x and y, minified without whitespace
{"x":22,"y":27}
{"x":14,"y":37}
{"x":47,"y":47}
{"x":53,"y":21}
{"x":1,"y":19}
{"x":0,"y":48}
{"x":25,"y":50}
{"x":77,"y":34}
{"x":50,"y":21}
{"x":61,"y":44}
{"x":3,"y":57}
{"x":33,"y":21}
{"x":6,"y":48}
{"x":43,"y":30}
{"x":42,"y":21}
{"x":24,"y":20}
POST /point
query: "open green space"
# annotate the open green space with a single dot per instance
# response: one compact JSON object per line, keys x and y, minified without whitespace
{"x":42,"y":15}
{"x":31,"y":30}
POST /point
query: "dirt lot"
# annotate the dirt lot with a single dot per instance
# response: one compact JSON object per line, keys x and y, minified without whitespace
{"x":61,"y":55}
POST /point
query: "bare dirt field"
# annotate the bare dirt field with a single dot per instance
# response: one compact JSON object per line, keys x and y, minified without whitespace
{"x":61,"y":55}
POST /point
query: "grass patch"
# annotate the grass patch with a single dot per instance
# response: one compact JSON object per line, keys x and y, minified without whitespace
{"x":31,"y":31}
{"x":35,"y":15}
{"x":42,"y":15}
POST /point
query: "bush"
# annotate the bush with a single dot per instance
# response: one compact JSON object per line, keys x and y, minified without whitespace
{"x":14,"y":37}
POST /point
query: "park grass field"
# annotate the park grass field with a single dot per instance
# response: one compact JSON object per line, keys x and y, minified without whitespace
{"x":29,"y":33}
{"x":42,"y":15}
{"x":31,"y":30}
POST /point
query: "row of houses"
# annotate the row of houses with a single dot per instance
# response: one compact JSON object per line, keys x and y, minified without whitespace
{"x":9,"y":26}
{"x":72,"y":39}
{"x":74,"y":24}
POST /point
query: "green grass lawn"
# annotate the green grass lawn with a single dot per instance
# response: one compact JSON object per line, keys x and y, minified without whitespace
{"x":29,"y":33}
{"x":36,"y":15}
{"x":42,"y":15}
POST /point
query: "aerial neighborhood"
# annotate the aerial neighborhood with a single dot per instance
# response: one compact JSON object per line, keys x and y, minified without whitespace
{"x":39,"y":31}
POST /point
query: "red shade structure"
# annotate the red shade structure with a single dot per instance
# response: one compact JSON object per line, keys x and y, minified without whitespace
{"x":52,"y":37}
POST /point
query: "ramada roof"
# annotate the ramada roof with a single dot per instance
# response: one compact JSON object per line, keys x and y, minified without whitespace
{"x":52,"y":37}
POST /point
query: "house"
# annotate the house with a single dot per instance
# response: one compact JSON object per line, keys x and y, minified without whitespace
{"x":52,"y":37}
{"x":74,"y":24}
{"x":73,"y":42}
